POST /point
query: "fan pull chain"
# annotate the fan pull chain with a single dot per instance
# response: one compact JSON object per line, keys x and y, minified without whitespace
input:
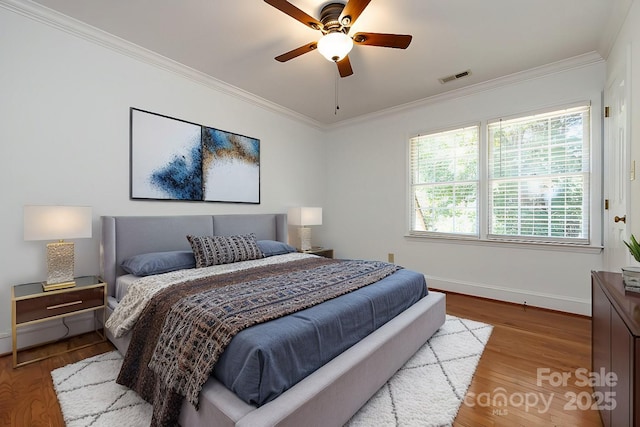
{"x":335,"y":112}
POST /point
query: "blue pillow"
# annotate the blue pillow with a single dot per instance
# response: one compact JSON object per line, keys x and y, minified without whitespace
{"x":272,"y":247}
{"x":158,"y":262}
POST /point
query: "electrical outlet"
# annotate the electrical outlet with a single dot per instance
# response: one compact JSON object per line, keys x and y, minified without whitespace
{"x":391,"y":257}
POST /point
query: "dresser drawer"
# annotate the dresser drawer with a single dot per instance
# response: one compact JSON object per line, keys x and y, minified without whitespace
{"x":49,"y":305}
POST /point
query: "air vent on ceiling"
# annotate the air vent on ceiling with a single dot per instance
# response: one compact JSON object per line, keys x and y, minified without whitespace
{"x":455,"y":77}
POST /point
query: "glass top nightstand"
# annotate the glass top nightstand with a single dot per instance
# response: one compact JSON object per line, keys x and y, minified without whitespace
{"x":31,"y":289}
{"x":31,"y":305}
{"x":324,"y":252}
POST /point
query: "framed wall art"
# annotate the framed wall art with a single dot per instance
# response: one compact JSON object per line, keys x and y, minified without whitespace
{"x":172,"y":159}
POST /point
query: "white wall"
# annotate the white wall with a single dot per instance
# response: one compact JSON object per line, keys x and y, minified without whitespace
{"x":366,"y":196}
{"x":64,"y":139}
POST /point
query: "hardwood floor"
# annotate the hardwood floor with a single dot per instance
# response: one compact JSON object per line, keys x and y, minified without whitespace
{"x":523,"y":341}
{"x":27,"y":398}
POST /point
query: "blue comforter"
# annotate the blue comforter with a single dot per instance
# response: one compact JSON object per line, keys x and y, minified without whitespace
{"x":265,"y":360}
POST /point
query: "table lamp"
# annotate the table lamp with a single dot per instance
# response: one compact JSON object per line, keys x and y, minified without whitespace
{"x":58,"y":223}
{"x":304,"y":217}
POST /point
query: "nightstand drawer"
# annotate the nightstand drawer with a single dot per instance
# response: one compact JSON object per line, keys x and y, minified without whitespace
{"x":44,"y":307}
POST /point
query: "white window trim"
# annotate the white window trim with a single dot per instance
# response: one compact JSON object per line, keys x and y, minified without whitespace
{"x":482,"y":239}
{"x":459,"y":240}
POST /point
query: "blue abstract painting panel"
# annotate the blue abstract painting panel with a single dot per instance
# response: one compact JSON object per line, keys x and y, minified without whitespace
{"x":166,"y":158}
{"x":230,"y":167}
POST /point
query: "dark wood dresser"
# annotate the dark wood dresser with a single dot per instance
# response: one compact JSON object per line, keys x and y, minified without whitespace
{"x":615,"y":342}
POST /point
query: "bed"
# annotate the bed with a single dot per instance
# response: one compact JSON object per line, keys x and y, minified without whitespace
{"x":328,"y":396}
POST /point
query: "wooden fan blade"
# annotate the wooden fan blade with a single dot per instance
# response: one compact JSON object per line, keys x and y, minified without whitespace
{"x":297,"y":52}
{"x":398,"y":41}
{"x":344,"y":67}
{"x":352,"y":10}
{"x":295,"y":13}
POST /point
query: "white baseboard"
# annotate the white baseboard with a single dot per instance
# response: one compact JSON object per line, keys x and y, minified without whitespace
{"x":517,"y":296}
{"x":48,"y":331}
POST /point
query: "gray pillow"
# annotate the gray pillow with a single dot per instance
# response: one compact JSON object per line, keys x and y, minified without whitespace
{"x":158,"y":262}
{"x":215,"y":250}
{"x":272,"y":247}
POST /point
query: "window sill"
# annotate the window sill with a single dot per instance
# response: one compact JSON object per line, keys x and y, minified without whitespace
{"x":560,"y":247}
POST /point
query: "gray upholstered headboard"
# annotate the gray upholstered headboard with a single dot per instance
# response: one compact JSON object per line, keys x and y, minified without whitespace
{"x":125,"y":236}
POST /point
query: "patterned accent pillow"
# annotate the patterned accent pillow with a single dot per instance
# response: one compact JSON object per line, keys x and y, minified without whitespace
{"x":215,"y":250}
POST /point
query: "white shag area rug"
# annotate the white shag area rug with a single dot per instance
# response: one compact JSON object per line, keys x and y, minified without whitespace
{"x":426,"y":391}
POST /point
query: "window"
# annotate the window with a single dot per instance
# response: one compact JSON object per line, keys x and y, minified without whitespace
{"x":444,"y":182}
{"x":539,"y":176}
{"x":533,"y":185}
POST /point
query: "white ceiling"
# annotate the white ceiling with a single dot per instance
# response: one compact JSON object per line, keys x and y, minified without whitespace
{"x":236,"y":41}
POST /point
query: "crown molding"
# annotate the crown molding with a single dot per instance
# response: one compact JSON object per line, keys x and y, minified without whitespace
{"x":77,"y":28}
{"x":613,"y":25}
{"x":573,"y":63}
{"x":94,"y":35}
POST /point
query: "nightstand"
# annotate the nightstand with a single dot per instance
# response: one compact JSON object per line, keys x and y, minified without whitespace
{"x":30,"y":304}
{"x":325,"y":252}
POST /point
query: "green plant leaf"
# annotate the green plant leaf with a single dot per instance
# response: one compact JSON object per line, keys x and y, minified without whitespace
{"x":634,"y":247}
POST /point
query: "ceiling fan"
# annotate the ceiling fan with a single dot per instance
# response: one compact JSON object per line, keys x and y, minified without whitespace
{"x":335,"y":22}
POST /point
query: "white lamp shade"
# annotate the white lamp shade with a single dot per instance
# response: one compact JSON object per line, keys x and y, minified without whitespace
{"x":305,"y":216}
{"x":335,"y":46}
{"x":57,"y":222}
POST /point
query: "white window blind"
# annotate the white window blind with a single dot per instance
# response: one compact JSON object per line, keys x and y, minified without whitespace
{"x":444,"y":182}
{"x":539,"y":177}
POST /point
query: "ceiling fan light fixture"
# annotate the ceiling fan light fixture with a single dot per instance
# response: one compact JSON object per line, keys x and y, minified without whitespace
{"x":335,"y":46}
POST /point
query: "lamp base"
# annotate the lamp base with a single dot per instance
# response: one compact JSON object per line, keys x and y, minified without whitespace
{"x":56,"y":286}
{"x":59,"y":266}
{"x":305,"y":238}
